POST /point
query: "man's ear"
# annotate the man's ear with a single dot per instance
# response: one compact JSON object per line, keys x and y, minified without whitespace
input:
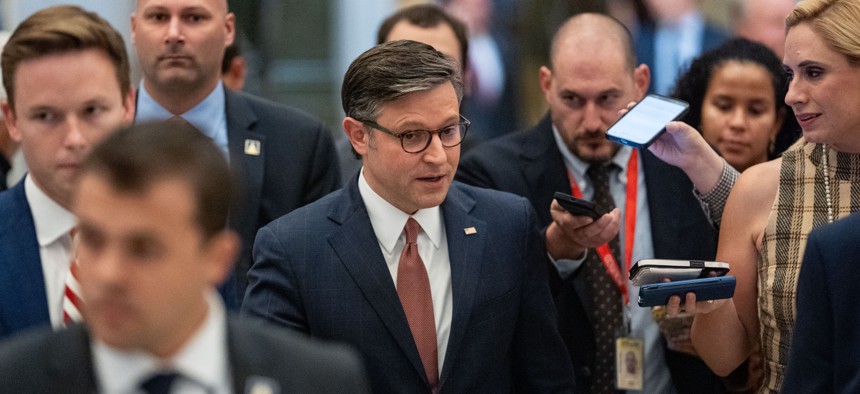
{"x":222,"y":250}
{"x":11,"y":122}
{"x":545,"y":75}
{"x":129,"y":106}
{"x":642,"y":79}
{"x":357,"y":134}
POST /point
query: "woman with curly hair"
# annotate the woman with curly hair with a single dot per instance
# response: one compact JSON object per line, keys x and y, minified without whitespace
{"x":736,"y":94}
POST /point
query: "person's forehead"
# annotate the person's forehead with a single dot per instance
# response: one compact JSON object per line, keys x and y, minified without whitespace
{"x":101,"y":68}
{"x":431,"y":108}
{"x":803,"y":43}
{"x":165,"y":204}
{"x":215,"y":5}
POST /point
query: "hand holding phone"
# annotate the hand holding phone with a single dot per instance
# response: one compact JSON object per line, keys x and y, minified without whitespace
{"x":643,"y":123}
{"x":715,"y":288}
{"x":578,"y":206}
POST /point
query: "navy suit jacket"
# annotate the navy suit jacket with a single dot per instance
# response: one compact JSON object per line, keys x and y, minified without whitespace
{"x":530,"y":164}
{"x":320,"y":270}
{"x":61,"y":362}
{"x":826,"y":339}
{"x":296,"y":165}
{"x":23,"y":303}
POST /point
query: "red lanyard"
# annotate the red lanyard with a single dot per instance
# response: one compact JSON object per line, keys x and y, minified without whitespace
{"x":629,"y":226}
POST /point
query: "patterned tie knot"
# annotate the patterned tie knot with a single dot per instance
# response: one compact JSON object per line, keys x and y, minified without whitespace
{"x":600,"y":172}
{"x":412,"y":229}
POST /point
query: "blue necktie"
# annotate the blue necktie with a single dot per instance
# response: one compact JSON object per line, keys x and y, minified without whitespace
{"x":159,"y":383}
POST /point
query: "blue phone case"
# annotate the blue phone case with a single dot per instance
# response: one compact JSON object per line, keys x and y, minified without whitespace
{"x":714,"y":288}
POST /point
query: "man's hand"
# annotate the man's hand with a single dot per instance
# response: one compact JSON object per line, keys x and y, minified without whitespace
{"x":568,"y":236}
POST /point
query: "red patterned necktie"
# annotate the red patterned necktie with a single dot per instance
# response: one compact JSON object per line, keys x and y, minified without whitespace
{"x":413,"y":288}
{"x":72,"y":301}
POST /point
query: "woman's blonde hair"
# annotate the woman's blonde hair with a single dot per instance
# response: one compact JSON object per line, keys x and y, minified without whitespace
{"x":837,"y":21}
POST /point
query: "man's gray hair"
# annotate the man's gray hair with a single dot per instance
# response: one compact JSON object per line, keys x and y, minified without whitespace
{"x":392,"y":70}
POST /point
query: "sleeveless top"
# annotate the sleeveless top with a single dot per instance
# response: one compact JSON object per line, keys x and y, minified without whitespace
{"x":800,"y":205}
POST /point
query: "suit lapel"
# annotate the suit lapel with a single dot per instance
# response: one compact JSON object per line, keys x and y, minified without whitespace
{"x":357,"y":247}
{"x":25,"y":288}
{"x":248,"y":161}
{"x":465,"y":252}
{"x":543,"y":168}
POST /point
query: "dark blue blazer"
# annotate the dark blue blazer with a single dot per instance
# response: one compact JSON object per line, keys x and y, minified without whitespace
{"x":23,"y":303}
{"x":297,"y":165}
{"x":826,"y":340}
{"x":319,"y":270}
{"x":646,"y":51}
{"x":259,"y":357}
{"x":530,"y":164}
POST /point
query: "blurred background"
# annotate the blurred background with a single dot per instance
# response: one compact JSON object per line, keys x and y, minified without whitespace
{"x":296,"y":51}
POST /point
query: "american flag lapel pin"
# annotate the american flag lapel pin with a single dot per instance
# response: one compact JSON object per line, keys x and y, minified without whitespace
{"x":470,"y":230}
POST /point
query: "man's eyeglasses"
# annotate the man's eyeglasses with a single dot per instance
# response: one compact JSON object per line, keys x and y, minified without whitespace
{"x":416,"y":141}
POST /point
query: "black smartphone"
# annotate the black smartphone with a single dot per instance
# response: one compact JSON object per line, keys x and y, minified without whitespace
{"x":714,"y":288}
{"x":578,"y":206}
{"x":643,"y":123}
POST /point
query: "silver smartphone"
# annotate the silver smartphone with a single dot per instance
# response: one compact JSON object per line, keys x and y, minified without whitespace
{"x":650,"y":271}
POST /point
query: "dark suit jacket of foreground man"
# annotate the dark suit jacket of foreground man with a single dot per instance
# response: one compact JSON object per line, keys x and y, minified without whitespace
{"x":320,"y":270}
{"x":61,"y":362}
{"x":529,"y":164}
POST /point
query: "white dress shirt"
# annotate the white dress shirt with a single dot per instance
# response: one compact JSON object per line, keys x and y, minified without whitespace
{"x":209,"y":116}
{"x":53,"y":224}
{"x":388,"y":224}
{"x":202,"y":363}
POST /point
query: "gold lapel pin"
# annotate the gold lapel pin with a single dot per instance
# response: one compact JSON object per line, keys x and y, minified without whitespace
{"x":470,"y":230}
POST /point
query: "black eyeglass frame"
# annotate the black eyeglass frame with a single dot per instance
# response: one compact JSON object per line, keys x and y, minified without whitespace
{"x":464,"y":124}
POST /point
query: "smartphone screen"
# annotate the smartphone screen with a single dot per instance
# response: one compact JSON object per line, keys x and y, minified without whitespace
{"x":646,"y":120}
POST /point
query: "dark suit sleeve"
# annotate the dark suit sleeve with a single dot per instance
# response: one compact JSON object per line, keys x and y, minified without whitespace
{"x":324,"y":168}
{"x":272,"y":293}
{"x":541,"y":363}
{"x":810,"y":367}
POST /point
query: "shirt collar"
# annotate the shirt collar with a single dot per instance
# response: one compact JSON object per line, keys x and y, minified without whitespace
{"x":579,"y":167}
{"x":203,"y":359}
{"x":207,"y":116}
{"x":388,"y":221}
{"x":52,"y":221}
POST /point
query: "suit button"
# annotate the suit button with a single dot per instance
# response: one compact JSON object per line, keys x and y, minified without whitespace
{"x":585,"y":371}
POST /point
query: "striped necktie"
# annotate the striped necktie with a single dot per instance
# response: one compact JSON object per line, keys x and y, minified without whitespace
{"x":72,"y":302}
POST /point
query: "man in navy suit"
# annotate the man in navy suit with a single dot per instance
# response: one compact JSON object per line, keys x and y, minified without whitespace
{"x":825,"y":341}
{"x":286,"y":158}
{"x":66,"y":73}
{"x":474,"y":314}
{"x":152,"y":244}
{"x":677,"y":35}
{"x":585,"y":94}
